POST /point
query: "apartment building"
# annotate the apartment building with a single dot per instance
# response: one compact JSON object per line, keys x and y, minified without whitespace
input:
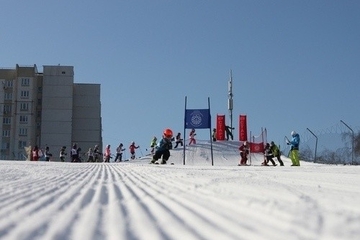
{"x":47,"y":109}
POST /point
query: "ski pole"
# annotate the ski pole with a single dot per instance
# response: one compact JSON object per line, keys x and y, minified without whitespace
{"x":141,"y":152}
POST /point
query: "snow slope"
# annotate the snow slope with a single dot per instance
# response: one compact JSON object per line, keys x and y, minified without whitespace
{"x":137,"y":200}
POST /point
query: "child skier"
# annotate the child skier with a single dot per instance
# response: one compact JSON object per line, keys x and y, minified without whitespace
{"x":192,"y":136}
{"x":268,"y":156}
{"x":62,"y":154}
{"x":178,"y":140}
{"x":244,"y":152}
{"x":107,"y":154}
{"x":119,"y":152}
{"x":164,"y":146}
{"x":276,"y":152}
{"x":90,"y":154}
{"x":132,"y":150}
{"x":153,"y":144}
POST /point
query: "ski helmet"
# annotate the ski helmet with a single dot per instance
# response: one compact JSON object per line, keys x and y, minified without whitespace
{"x":168,"y":133}
{"x":293,"y":133}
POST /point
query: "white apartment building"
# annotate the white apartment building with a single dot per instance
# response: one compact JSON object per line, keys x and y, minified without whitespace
{"x":47,"y":109}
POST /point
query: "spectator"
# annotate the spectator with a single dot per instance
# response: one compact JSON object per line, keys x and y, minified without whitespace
{"x":228,"y":131}
{"x":214,"y":135}
{"x":294,"y":151}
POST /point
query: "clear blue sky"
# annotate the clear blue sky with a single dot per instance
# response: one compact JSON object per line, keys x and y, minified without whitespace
{"x":296,"y":64}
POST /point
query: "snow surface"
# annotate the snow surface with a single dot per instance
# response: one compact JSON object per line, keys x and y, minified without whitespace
{"x":137,"y":200}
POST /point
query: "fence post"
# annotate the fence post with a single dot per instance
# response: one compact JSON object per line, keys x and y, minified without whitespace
{"x":316,"y":143}
{"x":352,"y":141}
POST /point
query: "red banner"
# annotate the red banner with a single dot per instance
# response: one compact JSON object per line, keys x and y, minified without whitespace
{"x":242,"y":128}
{"x":256,"y":147}
{"x":220,"y":127}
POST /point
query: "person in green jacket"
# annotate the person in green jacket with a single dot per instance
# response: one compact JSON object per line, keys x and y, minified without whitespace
{"x":276,"y":152}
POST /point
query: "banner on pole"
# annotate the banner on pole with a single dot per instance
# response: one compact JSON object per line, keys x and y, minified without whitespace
{"x":220,"y":127}
{"x":197,"y":118}
{"x":257,"y":147}
{"x":242,"y":128}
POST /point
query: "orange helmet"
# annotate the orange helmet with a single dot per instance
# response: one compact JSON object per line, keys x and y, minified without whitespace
{"x":168,"y":133}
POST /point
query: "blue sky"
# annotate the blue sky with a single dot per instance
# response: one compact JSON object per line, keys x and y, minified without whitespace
{"x":295,"y":64}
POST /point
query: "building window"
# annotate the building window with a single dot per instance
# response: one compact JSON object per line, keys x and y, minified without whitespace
{"x":23,"y":119}
{"x":22,"y":144}
{"x":7,"y":109}
{"x":8,"y":96}
{"x":25,"y":81}
{"x":5,"y":145}
{"x":9,"y":84}
{"x":23,"y":132}
{"x":6,"y":121}
{"x":24,"y":106}
{"x":6,"y":133}
{"x":24,"y":94}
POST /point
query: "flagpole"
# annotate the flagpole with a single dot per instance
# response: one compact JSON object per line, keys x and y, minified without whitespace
{"x":211,"y":142}
{"x":184,"y":131}
{"x":230,"y":101}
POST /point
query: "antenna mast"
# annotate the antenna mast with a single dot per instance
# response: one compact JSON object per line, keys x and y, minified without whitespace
{"x":230,"y":100}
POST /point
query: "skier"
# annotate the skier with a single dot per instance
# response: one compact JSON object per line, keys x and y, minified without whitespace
{"x":244,"y":152}
{"x":268,"y":156}
{"x":48,"y":155}
{"x":97,"y":154}
{"x":229,"y":132}
{"x":164,"y":147}
{"x":74,"y":153}
{"x":153,"y":144}
{"x":294,"y":151}
{"x":132,"y":150}
{"x":107,"y":154}
{"x":192,"y":136}
{"x":90,"y":154}
{"x":178,"y":140}
{"x":35,"y":154}
{"x":62,"y":154}
{"x":276,"y":152}
{"x":119,"y":152}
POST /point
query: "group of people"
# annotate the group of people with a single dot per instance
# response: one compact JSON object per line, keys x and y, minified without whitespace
{"x":272,"y":151}
{"x":38,"y":153}
{"x":162,"y":150}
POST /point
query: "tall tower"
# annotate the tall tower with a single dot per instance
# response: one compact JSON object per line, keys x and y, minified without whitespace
{"x":230,"y":99}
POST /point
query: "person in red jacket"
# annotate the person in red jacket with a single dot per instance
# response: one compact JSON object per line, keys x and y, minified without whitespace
{"x":192,"y":137}
{"x":132,"y":150}
{"x":107,"y":154}
{"x":35,"y":154}
{"x":244,"y":152}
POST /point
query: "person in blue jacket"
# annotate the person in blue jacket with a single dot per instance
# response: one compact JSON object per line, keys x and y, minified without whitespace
{"x":164,"y":147}
{"x":294,"y":151}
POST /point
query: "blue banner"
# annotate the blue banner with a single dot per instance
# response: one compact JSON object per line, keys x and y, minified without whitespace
{"x":197,"y":118}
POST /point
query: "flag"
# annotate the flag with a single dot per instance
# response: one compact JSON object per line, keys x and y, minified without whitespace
{"x":256,"y":147}
{"x":197,"y":118}
{"x":220,"y":127}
